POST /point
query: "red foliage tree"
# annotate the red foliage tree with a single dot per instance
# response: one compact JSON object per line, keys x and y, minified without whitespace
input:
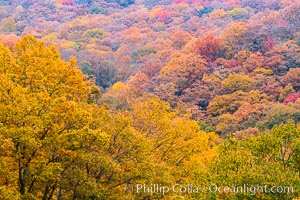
{"x":67,"y":2}
{"x":209,"y":47}
{"x":292,"y":98}
{"x":269,"y":44}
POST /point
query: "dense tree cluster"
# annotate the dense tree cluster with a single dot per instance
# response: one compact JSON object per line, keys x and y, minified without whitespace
{"x":62,"y":139}
{"x":57,"y":141}
{"x":203,"y":92}
{"x":189,"y":52}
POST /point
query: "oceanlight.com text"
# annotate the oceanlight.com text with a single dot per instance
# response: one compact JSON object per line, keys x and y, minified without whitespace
{"x":212,"y":188}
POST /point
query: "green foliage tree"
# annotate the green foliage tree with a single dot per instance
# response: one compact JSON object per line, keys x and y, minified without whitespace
{"x":94,"y":33}
{"x":236,"y":82}
{"x":276,"y":113}
{"x":269,"y":159}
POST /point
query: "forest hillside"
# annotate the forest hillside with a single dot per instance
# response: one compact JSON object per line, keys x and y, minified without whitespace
{"x":139,"y":99}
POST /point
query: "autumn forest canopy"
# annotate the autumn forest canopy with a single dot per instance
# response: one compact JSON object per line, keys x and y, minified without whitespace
{"x":100,"y":97}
